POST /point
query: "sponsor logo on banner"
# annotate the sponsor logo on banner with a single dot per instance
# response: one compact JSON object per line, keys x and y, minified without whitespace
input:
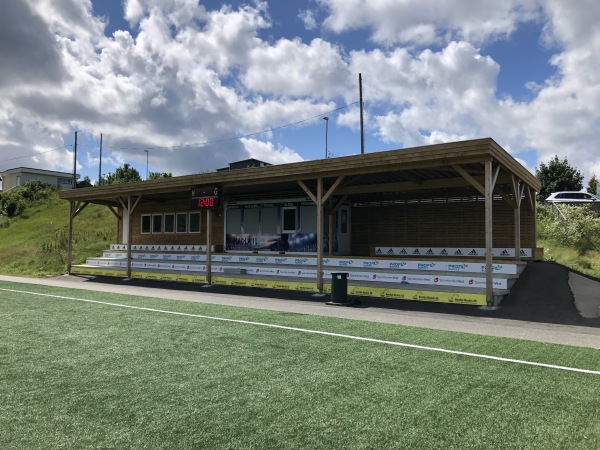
{"x":300,"y":260}
{"x":280,"y":260}
{"x":370,"y":263}
{"x":345,"y":262}
{"x":261,"y":284}
{"x":393,"y":293}
{"x":397,"y":265}
{"x":360,"y":290}
{"x":261,"y":260}
{"x":425,"y":266}
{"x":456,"y":267}
{"x":244,"y":259}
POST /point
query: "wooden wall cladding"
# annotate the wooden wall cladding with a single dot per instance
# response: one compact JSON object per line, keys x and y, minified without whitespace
{"x":436,"y":222}
{"x":175,"y":238}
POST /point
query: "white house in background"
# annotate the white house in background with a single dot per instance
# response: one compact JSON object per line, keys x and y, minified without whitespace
{"x":19,"y":176}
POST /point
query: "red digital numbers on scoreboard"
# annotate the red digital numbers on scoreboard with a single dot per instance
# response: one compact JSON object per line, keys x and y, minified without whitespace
{"x":205,"y":197}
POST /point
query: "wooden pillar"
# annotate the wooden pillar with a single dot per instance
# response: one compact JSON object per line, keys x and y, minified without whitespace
{"x":129,"y":229}
{"x":208,"y":246}
{"x":320,"y":234}
{"x":70,"y":236}
{"x":489,"y":279}
{"x":331,"y":222}
{"x":517,"y":187}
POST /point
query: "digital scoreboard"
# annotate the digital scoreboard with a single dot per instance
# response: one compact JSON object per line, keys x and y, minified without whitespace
{"x":206,"y":197}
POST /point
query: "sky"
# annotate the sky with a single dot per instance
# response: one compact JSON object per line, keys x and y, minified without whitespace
{"x":188,"y":86}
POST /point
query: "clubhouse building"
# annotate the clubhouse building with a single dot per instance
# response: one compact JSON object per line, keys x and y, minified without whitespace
{"x":451,"y":223}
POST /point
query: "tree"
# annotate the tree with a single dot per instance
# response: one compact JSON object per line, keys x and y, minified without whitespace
{"x":558,"y":175}
{"x":593,"y":185}
{"x":125,"y":174}
{"x":158,"y":175}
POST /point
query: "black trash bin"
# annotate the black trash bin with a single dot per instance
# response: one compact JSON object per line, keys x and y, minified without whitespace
{"x":339,"y":287}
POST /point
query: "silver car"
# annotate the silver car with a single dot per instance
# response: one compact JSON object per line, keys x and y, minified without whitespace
{"x":572,"y":197}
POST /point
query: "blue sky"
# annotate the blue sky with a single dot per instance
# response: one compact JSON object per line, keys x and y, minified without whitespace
{"x":195,"y":83}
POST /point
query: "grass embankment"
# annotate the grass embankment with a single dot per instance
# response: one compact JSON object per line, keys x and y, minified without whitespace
{"x":570,"y":235}
{"x":587,"y":263}
{"x":35,"y":242}
{"x":89,"y":375}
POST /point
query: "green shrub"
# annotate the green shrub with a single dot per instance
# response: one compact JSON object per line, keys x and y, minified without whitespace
{"x":14,"y":202}
{"x":573,"y":226}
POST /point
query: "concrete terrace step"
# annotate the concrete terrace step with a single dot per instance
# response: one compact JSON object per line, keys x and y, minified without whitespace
{"x":501,"y":252}
{"x":440,"y":278}
{"x":393,"y":291}
{"x":498,"y":267}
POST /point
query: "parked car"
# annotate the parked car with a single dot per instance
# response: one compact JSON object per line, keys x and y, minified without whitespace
{"x":572,"y":197}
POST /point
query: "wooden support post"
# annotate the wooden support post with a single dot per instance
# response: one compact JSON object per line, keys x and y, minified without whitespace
{"x":489,"y":279}
{"x":208,"y":246}
{"x":517,"y":187}
{"x":70,"y":236}
{"x":331,"y":222}
{"x":319,"y":204}
{"x":129,"y":229}
{"x":130,"y":208}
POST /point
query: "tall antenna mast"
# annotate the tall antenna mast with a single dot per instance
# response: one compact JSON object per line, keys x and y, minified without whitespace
{"x":362,"y":129}
{"x":100,"y":165}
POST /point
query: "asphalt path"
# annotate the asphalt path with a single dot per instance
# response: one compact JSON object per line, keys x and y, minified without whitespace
{"x":542,"y":306}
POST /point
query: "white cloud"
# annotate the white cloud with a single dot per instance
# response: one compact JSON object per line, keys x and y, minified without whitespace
{"x":292,"y":69}
{"x":267,"y":152}
{"x":427,"y":22}
{"x":187,"y":79}
{"x":307,"y":17}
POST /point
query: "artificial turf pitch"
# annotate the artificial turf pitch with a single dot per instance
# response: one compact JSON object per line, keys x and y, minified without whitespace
{"x":88,"y":375}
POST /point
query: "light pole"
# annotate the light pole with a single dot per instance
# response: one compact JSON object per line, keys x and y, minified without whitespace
{"x":326,"y":119}
{"x":146,"y":164}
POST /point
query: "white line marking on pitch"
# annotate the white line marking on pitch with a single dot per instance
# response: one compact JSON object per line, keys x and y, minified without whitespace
{"x":322,"y":333}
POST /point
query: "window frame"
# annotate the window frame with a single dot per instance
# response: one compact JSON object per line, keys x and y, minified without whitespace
{"x":283,"y":211}
{"x":149,"y":216}
{"x":185,"y":221}
{"x":165,"y":223}
{"x":154,"y":223}
{"x":199,"y":214}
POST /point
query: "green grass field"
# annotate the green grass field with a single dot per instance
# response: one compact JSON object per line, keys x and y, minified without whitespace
{"x":86,"y":375}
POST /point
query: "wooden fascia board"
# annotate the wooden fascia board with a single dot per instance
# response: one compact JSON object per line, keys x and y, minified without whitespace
{"x":441,"y":155}
{"x":511,"y":165}
{"x":404,"y":186}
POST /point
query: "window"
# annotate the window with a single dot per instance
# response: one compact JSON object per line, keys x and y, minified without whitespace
{"x":146,"y":224}
{"x":288,"y":220}
{"x":169,"y":223}
{"x":181,"y":223}
{"x":157,"y":223}
{"x":195,"y":222}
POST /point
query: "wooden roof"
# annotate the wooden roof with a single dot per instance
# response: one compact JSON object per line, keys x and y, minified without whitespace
{"x":426,"y":167}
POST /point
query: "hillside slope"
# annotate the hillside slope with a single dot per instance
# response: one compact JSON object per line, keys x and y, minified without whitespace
{"x":35,"y":243}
